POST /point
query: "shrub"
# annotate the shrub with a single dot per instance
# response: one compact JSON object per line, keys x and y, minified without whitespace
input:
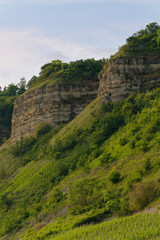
{"x":144,"y":146}
{"x":22,"y":146}
{"x":147,"y":164}
{"x":123,"y":141}
{"x":82,"y":160}
{"x":143,"y":193}
{"x":57,"y":155}
{"x":115,"y":177}
{"x":106,"y":158}
{"x":85,"y":195}
{"x":42,"y":128}
{"x":132,"y":143}
{"x":123,"y":207}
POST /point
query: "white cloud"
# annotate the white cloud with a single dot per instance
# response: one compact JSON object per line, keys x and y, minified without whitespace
{"x":24,"y":52}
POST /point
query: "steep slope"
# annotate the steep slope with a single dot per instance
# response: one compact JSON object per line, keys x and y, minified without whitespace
{"x":104,"y":164}
{"x":91,"y":169}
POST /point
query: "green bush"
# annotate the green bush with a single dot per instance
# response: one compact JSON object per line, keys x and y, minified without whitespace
{"x":105,"y":158}
{"x":85,"y":196}
{"x":147,"y":165}
{"x":22,"y":146}
{"x":143,"y":193}
{"x":115,"y":177}
{"x":123,"y":141}
{"x":42,"y":128}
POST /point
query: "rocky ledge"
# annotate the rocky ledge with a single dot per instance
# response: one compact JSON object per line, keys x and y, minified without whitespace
{"x":122,"y":76}
{"x":52,"y":104}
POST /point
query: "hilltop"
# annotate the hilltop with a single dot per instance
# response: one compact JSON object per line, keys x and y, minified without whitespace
{"x":103,"y":163}
{"x":145,"y":42}
{"x":60,"y":73}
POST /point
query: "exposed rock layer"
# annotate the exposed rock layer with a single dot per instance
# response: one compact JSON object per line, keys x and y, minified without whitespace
{"x":123,"y":76}
{"x":51,"y":104}
{"x":61,"y":103}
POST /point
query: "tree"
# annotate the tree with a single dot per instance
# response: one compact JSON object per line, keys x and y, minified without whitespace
{"x":152,"y":27}
{"x":9,"y":91}
{"x":22,"y":86}
{"x":158,"y":36}
{"x":31,"y":81}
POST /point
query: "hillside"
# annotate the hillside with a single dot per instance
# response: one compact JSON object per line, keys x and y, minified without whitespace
{"x":91,"y":169}
{"x":98,"y":174}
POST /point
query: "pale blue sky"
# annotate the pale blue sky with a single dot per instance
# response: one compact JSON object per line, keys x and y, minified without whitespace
{"x":34,"y":32}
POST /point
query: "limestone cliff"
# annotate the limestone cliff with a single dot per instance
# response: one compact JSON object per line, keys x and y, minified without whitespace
{"x":52,"y":104}
{"x":122,"y":76}
{"x":57,"y":104}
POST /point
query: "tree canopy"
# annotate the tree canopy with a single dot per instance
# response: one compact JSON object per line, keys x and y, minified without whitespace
{"x":69,"y":73}
{"x":13,"y":89}
{"x":145,"y":42}
{"x":7,"y":96}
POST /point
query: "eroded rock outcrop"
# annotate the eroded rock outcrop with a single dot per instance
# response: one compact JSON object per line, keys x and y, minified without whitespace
{"x":123,"y":76}
{"x":52,"y":104}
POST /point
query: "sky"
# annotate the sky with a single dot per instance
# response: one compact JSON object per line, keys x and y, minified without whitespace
{"x":35,"y":32}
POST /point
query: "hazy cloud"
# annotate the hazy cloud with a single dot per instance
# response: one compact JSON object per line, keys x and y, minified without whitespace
{"x":24,"y":52}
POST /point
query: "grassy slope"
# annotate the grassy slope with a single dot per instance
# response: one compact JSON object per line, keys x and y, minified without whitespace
{"x":42,"y":196}
{"x":135,"y":227}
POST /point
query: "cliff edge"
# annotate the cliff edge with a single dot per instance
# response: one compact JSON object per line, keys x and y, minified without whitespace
{"x":122,"y":76}
{"x":53,"y":104}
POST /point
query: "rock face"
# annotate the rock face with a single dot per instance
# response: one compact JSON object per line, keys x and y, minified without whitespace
{"x":61,"y":103}
{"x":52,"y":104}
{"x":123,"y":76}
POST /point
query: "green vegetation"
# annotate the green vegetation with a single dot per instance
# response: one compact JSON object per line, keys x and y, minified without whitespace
{"x":144,"y":226}
{"x":58,"y":72}
{"x":7,"y":97}
{"x":104,"y":163}
{"x":145,"y":42}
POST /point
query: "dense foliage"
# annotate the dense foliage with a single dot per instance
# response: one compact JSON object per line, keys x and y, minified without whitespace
{"x":6,"y":108}
{"x":145,"y":42}
{"x":69,"y":73}
{"x":13,"y":89}
{"x":7,"y":97}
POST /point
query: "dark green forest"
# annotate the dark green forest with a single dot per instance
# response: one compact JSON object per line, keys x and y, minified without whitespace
{"x":7,"y":97}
